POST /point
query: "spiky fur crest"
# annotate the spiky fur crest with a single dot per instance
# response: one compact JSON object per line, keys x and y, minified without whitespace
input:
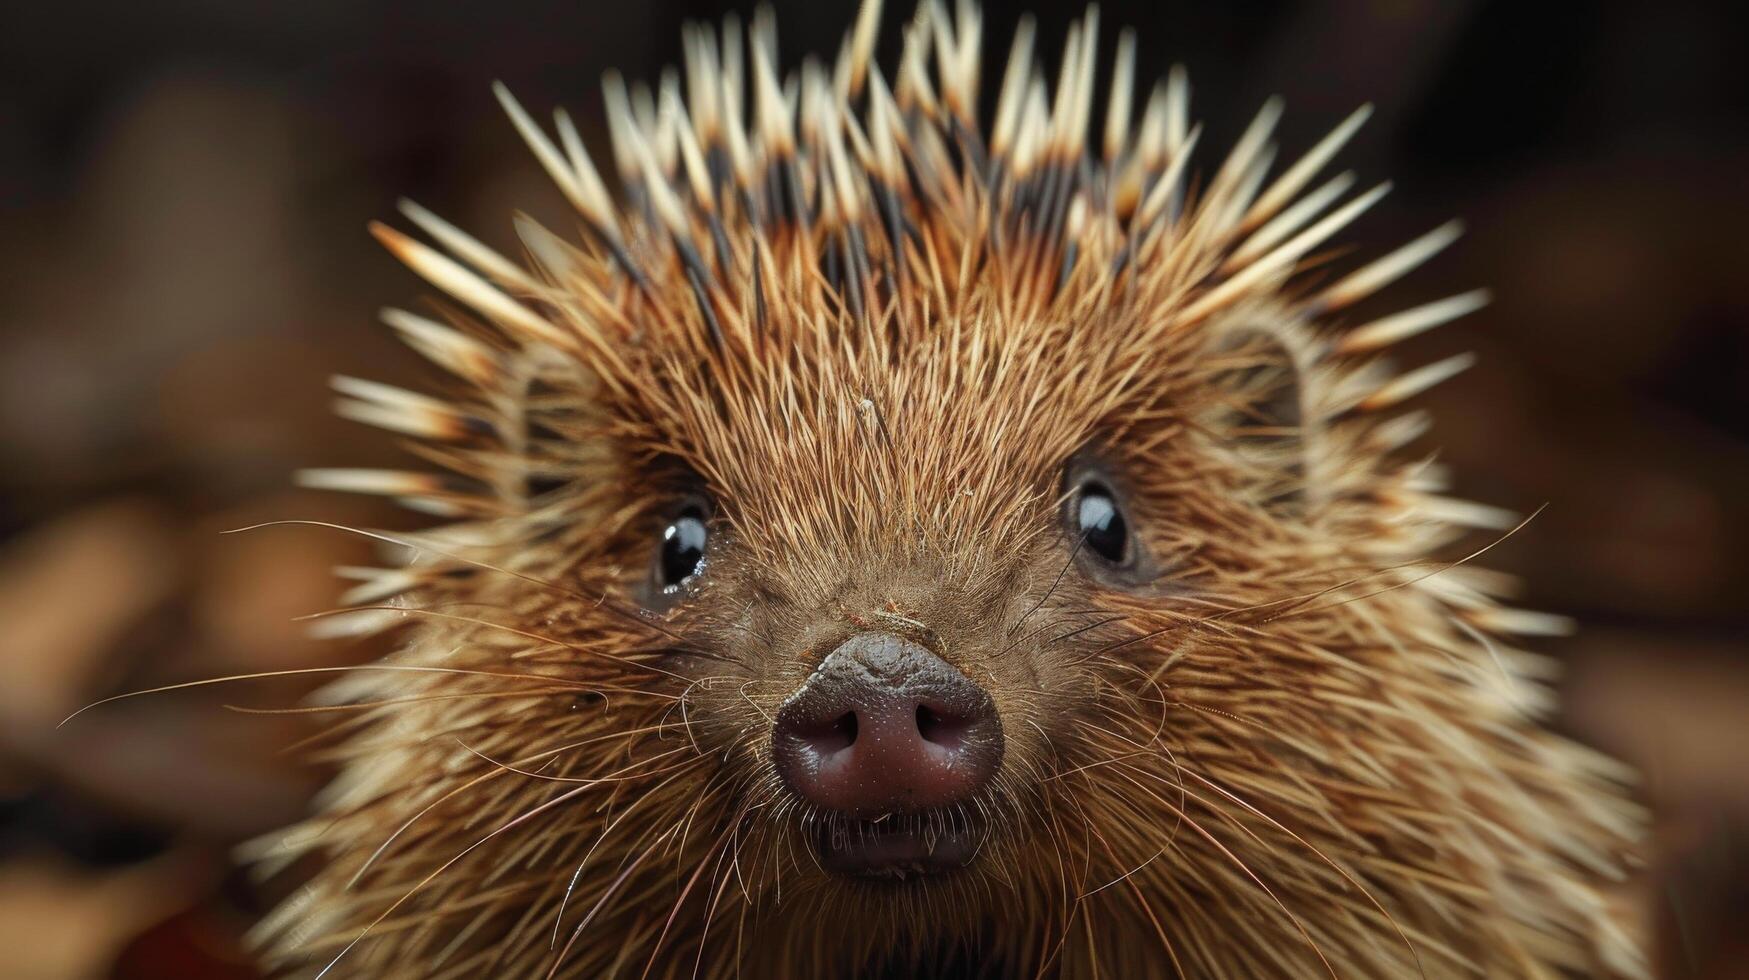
{"x":874,"y":336}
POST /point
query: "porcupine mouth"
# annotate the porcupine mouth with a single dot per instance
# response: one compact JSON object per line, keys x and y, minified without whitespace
{"x":899,"y":847}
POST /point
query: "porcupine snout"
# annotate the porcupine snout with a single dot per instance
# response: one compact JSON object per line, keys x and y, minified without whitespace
{"x":884,"y":725}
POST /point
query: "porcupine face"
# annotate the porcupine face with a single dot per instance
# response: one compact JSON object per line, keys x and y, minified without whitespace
{"x":886,"y":545}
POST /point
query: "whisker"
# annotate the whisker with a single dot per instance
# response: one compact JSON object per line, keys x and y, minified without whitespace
{"x":1242,"y":866}
{"x":549,"y":753}
{"x":1320,"y":854}
{"x":299,"y":671}
{"x":502,"y":627}
{"x":515,"y":822}
{"x":618,"y":881}
{"x":601,"y":601}
{"x":392,"y":702}
{"x":606,"y":831}
{"x":1054,"y":583}
{"x":673,"y":912}
{"x":591,"y":781}
{"x":1444,"y":567}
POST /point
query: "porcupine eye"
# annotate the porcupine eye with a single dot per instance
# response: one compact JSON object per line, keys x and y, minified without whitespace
{"x":1100,"y":525}
{"x":682,"y":552}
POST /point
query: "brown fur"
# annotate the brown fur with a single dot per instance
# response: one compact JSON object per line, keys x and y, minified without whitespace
{"x":1302,"y":748}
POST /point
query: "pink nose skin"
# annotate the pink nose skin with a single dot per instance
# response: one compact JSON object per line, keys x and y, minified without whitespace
{"x":883,"y":725}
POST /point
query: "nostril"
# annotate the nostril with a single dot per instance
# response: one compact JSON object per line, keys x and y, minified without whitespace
{"x":945,"y":731}
{"x":843,"y":733}
{"x":827,"y":738}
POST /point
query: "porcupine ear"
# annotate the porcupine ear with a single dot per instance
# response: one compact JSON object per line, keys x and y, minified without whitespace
{"x":1259,"y":368}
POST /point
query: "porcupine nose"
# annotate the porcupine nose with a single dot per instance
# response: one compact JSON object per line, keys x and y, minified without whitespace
{"x":884,"y":725}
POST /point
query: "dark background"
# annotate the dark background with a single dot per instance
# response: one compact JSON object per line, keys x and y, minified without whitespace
{"x":183,"y":262}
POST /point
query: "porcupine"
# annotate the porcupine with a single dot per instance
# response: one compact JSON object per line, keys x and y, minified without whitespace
{"x":884,"y":545}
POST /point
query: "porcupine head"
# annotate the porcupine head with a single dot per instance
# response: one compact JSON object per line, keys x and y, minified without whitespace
{"x":884,"y":542}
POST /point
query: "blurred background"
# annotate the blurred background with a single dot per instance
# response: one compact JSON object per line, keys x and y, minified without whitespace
{"x":185,"y":188}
